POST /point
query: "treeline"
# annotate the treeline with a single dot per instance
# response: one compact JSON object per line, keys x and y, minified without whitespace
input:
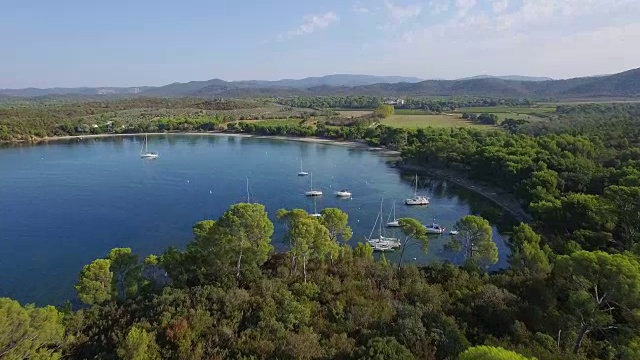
{"x":229,"y":296}
{"x":617,"y":118}
{"x":25,"y":120}
{"x":583,"y":190}
{"x":371,"y":102}
{"x":486,"y":119}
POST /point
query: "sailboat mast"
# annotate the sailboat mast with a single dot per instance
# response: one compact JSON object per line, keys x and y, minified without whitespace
{"x":415,"y":192}
{"x":374,"y":227}
{"x":311,"y":180}
{"x":300,"y":165}
{"x":248,"y":200}
{"x":146,"y":144}
{"x":380,"y":227}
{"x":394,"y":210}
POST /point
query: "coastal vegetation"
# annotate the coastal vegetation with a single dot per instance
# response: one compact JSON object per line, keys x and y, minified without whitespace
{"x":229,"y":295}
{"x":572,"y":290}
{"x":46,"y":118}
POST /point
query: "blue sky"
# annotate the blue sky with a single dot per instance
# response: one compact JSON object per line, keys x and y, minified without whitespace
{"x":140,"y":42}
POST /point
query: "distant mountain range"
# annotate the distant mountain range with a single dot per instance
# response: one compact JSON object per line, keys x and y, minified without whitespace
{"x":625,"y":84}
{"x":184,"y":89}
{"x":87,"y":91}
{"x":508,"y":77}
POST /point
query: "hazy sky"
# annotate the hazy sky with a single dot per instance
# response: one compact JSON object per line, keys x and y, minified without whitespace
{"x":49,"y":43}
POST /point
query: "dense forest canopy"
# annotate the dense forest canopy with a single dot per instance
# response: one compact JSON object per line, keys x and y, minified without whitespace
{"x":228,"y":295}
{"x":572,"y":290}
{"x":371,"y":102}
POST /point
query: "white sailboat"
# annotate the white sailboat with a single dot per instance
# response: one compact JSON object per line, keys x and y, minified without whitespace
{"x":315,"y":210}
{"x":302,"y":172}
{"x":434,"y":228}
{"x":312,"y":192}
{"x":417,"y":199}
{"x":146,"y":154}
{"x":394,"y":222}
{"x":382,"y":243}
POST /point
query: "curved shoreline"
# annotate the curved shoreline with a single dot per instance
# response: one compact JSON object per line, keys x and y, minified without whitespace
{"x":314,"y":140}
{"x":504,"y":200}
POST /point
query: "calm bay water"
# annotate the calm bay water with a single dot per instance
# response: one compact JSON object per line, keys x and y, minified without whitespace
{"x":64,"y":204}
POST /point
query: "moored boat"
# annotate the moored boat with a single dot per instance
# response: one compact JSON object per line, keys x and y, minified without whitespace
{"x":343,"y":193}
{"x":434,"y":228}
{"x":146,"y":154}
{"x":381,"y":241}
{"x":311,"y":191}
{"x":417,"y":200}
{"x":302,"y":172}
{"x":395,"y":222}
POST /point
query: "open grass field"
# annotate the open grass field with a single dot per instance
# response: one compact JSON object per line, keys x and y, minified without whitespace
{"x":441,"y":121}
{"x":354,"y":113}
{"x":532,"y":113}
{"x":412,"y":112}
{"x":507,"y":109}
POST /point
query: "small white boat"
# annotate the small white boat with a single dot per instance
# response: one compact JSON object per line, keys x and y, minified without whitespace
{"x":381,"y":247}
{"x":343,"y":194}
{"x":418,"y":200}
{"x":454,"y":232}
{"x":394,"y":222}
{"x":385,"y":241}
{"x":312,"y":192}
{"x":146,"y":154}
{"x":302,"y":172}
{"x":434,"y":228}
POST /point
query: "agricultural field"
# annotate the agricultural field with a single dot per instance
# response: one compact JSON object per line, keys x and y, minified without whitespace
{"x":354,"y":113}
{"x":412,"y":112}
{"x":420,"y":121}
{"x":509,"y":109}
{"x":533,"y":113}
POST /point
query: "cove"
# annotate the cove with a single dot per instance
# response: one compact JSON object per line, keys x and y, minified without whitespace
{"x":66,"y":203}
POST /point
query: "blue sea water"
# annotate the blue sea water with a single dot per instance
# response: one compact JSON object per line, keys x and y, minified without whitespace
{"x":66,"y":203}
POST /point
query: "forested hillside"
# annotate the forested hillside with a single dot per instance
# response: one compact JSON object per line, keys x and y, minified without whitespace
{"x":622,"y":85}
{"x":625,"y":84}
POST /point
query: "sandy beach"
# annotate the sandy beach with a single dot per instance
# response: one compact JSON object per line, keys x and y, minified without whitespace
{"x":315,"y":140}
